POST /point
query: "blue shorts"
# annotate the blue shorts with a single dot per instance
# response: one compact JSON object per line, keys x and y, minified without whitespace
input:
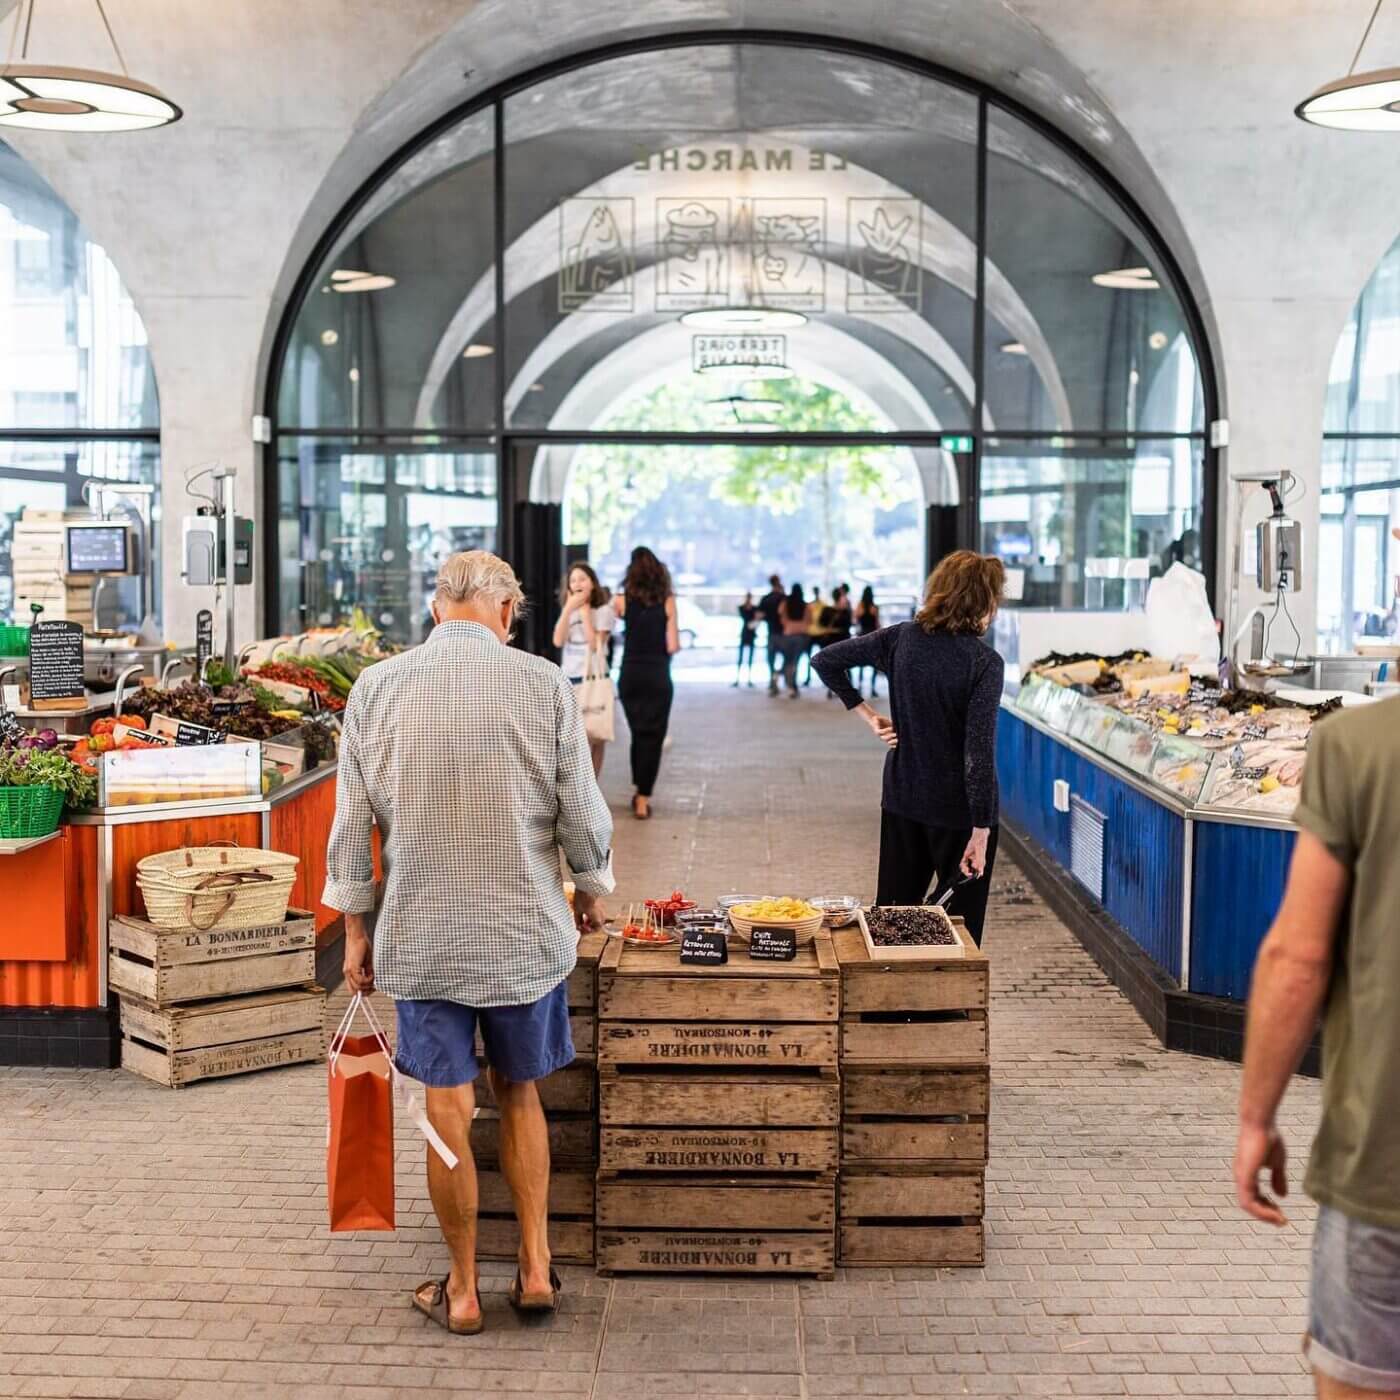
{"x":1354,"y":1326}
{"x":437,"y":1040}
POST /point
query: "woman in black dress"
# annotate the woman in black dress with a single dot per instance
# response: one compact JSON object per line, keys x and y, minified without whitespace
{"x":867,"y":620}
{"x":748,"y":638}
{"x":648,"y":607}
{"x":939,"y":807}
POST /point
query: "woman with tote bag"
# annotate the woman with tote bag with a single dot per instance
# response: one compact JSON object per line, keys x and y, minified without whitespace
{"x":581,"y":634}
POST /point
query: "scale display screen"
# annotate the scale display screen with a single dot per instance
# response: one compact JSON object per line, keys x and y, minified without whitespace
{"x":100,"y":549}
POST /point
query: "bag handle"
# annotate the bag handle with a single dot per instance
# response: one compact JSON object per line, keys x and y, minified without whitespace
{"x":407,"y":1099}
{"x":193,"y":919}
{"x":223,"y":858}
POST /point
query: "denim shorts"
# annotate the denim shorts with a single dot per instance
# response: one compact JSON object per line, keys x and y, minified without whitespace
{"x":1354,"y":1329}
{"x":437,"y":1040}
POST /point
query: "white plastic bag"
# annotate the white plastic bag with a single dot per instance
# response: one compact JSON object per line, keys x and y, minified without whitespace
{"x":1180,"y":625}
{"x":596,"y":700}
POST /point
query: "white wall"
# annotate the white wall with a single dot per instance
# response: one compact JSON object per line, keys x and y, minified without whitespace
{"x":289,"y":107}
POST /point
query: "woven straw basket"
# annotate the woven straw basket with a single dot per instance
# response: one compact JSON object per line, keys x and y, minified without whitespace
{"x":805,"y":929}
{"x":208,"y":887}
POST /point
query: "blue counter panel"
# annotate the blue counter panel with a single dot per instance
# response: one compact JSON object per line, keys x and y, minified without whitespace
{"x":1144,"y":842}
{"x":1236,"y":890}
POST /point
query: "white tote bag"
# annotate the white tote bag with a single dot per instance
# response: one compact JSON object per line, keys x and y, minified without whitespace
{"x":596,"y":700}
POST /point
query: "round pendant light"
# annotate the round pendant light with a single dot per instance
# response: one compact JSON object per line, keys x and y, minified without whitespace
{"x":743,"y":318}
{"x":1359,"y":101}
{"x":1127,"y":279}
{"x":50,"y":97}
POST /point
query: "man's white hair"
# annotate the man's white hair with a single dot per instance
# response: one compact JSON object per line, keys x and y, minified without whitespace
{"x":477,"y":573}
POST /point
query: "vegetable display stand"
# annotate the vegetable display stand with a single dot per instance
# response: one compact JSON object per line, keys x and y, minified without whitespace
{"x":719,"y":1106}
{"x":915,"y":1082}
{"x":570,"y":1101}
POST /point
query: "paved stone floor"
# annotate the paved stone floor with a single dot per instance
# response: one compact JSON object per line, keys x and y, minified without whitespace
{"x":159,"y":1245}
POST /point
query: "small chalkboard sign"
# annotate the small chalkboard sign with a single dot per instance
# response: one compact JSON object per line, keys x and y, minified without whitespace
{"x":704,"y":945}
{"x":773,"y":944}
{"x":203,"y":639}
{"x":183,"y":733}
{"x":56,"y":665}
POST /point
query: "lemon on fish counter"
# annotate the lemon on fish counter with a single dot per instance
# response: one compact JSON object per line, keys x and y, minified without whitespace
{"x":1268,"y":783}
{"x":1256,"y":709}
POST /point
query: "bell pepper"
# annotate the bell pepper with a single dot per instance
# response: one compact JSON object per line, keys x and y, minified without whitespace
{"x":103,"y":726}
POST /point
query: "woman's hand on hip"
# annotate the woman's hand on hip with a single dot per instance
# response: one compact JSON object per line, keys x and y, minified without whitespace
{"x":881,"y":726}
{"x":974,"y":860}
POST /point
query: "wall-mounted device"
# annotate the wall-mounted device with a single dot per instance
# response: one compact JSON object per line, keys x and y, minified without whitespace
{"x":104,"y":547}
{"x":1280,"y":543}
{"x":206,"y":549}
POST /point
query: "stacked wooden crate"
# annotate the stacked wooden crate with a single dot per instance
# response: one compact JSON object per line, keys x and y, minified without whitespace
{"x":39,"y":560}
{"x":915,"y":1091}
{"x":204,"y":1003}
{"x":570,"y":1101}
{"x":719,"y":1105}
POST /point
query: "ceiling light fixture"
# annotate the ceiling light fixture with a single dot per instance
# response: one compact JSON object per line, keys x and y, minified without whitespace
{"x":49,"y":97}
{"x":478,"y":352}
{"x":1127,"y":279}
{"x":1359,"y":101}
{"x":1013,"y":347}
{"x":743,"y":318}
{"x":344,"y":280}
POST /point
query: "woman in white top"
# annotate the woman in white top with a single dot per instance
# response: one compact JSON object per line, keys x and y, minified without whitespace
{"x":585,"y":623}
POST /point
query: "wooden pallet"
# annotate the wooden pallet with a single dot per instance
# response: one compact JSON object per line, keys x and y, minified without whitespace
{"x":178,"y":1045}
{"x":907,"y":1116}
{"x":571,"y":1195}
{"x":917,"y":1217}
{"x":912,"y":1013}
{"x":165,"y":966}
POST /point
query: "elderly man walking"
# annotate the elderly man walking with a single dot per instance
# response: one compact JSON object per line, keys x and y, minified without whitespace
{"x":471,"y":759}
{"x":1335,"y":948}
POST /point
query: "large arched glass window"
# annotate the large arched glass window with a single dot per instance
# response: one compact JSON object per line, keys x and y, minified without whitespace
{"x":1358,"y":567}
{"x":948,"y":277}
{"x":78,"y":405}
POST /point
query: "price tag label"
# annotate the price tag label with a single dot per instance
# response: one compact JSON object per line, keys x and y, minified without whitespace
{"x":704,"y":945}
{"x":55,"y":662}
{"x":773,"y":944}
{"x":203,"y":639}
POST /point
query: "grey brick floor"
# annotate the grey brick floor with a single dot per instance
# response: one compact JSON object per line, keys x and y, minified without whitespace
{"x":157,"y":1245}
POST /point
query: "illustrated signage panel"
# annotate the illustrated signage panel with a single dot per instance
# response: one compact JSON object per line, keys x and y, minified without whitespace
{"x":597,"y":254}
{"x":693,"y":270}
{"x":884,"y":272}
{"x":55,"y":661}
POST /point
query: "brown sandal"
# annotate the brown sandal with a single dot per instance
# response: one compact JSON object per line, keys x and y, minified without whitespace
{"x":439,"y":1310}
{"x":641,"y":816}
{"x":535,"y":1302}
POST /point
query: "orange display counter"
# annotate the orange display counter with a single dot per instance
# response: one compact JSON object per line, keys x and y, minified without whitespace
{"x":57,"y":895}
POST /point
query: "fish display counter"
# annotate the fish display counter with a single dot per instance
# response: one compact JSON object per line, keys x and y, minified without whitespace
{"x":1154,"y":810}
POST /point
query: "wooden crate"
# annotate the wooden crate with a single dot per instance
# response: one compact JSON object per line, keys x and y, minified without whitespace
{"x":569,"y":1090}
{"x":907,"y":1115}
{"x":730,"y":1149}
{"x":913,"y":1217}
{"x":760,"y":1203}
{"x":570,"y":1217}
{"x":573,"y":1139}
{"x":233,"y":1035}
{"x":723,"y":1099}
{"x":165,"y":966}
{"x":762,"y":1252}
{"x":780,"y":1045}
{"x":921,"y":1013}
{"x":582,"y":992}
{"x":651,"y":984}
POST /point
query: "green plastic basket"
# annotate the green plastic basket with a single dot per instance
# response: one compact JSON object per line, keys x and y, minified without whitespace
{"x":14,"y":641}
{"x":29,"y":811}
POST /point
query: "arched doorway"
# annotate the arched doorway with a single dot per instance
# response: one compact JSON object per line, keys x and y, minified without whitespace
{"x":708,"y":213}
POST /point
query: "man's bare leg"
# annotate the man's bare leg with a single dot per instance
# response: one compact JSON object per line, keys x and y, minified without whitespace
{"x":454,"y":1195}
{"x":1329,"y":1389}
{"x":525,"y":1162}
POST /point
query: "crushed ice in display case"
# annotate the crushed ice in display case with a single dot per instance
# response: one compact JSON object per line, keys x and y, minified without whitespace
{"x":190,"y":773}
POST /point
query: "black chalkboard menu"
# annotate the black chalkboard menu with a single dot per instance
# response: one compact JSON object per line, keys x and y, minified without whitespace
{"x":56,"y":664}
{"x":773,"y":944}
{"x":203,"y":639}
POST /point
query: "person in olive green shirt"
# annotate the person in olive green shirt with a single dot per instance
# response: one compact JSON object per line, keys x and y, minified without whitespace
{"x":1334,"y":949}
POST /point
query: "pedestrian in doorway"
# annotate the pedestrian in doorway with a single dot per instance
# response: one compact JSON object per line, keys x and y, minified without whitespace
{"x":582,"y":633}
{"x":771,"y":607}
{"x":748,"y":638}
{"x":1334,"y":950}
{"x":469,"y":756}
{"x":837,"y":621}
{"x":867,"y":620}
{"x":794,"y":640}
{"x":938,"y":817}
{"x":648,"y":606}
{"x":816,"y":623}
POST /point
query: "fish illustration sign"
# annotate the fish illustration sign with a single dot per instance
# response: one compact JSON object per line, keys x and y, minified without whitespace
{"x":597,"y":254}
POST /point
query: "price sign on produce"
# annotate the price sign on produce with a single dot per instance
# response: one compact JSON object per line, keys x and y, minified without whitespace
{"x":773,"y":944}
{"x":203,"y":639}
{"x":704,"y":945}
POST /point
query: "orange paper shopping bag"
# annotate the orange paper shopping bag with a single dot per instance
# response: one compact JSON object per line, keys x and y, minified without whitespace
{"x":360,"y":1139}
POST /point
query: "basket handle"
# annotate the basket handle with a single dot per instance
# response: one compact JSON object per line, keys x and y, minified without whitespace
{"x":221,"y":879}
{"x":225,"y":905}
{"x":223,"y":859}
